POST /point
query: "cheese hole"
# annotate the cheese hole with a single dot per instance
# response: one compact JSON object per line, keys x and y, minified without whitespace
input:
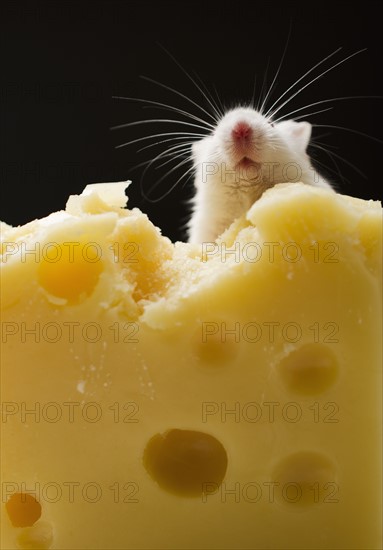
{"x":70,"y":270}
{"x":304,"y":479}
{"x":39,"y":536}
{"x":213,"y":346}
{"x":309,"y":370}
{"x":185,"y":462}
{"x":23,"y":509}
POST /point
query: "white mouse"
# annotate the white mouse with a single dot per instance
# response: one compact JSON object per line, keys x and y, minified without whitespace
{"x":245,"y":155}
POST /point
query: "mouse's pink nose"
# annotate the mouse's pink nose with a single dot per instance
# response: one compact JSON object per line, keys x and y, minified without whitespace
{"x":241,"y":131}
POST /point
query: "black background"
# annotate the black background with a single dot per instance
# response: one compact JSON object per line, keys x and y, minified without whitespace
{"x":62,"y":63}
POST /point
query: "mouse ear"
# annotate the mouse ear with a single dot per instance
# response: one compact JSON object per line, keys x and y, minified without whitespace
{"x":298,"y":133}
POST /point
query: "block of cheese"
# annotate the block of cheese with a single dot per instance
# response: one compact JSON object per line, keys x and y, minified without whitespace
{"x":176,"y":396}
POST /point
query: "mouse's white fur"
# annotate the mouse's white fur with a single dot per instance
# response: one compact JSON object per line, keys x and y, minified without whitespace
{"x":231,"y":176}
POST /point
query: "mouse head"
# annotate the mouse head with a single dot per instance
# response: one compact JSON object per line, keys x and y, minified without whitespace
{"x":244,"y":138}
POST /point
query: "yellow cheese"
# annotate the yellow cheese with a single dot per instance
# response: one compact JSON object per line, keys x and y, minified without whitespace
{"x":180,"y":396}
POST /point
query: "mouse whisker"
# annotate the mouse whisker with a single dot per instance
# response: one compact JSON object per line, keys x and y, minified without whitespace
{"x":165,"y":141}
{"x":169,"y":151}
{"x":314,"y":80}
{"x":337,"y":172}
{"x":316,"y":140}
{"x":155,"y":120}
{"x":212,"y":105}
{"x":178,"y":153}
{"x":262,"y":92}
{"x":215,"y":119}
{"x":172,"y":154}
{"x":326,"y":101}
{"x":181,"y":155}
{"x":189,"y":171}
{"x":181,"y":134}
{"x":312,"y":113}
{"x":209,"y":127}
{"x":168,"y":107}
{"x":219,"y":101}
{"x":162,"y":178}
{"x":348,"y":130}
{"x":299,"y":80}
{"x":271,"y":87}
{"x":163,"y":154}
{"x":342,"y":159}
{"x":218,"y":107}
{"x":252,"y":101}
